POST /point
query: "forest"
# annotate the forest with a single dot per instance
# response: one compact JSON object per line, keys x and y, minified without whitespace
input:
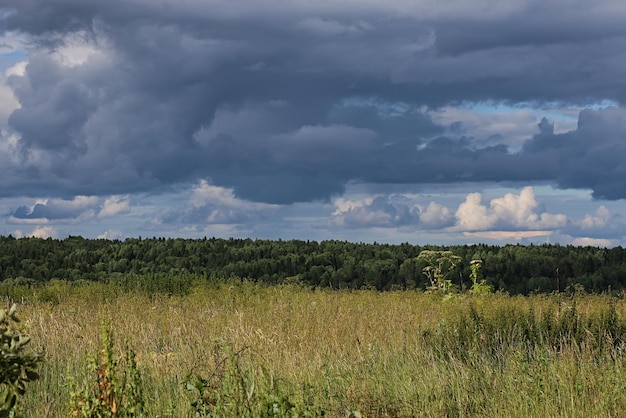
{"x":516,"y":269}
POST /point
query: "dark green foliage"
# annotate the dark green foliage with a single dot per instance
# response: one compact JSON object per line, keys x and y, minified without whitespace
{"x":154,"y":283}
{"x":505,"y":329}
{"x":169,"y":266}
{"x":16,"y":366}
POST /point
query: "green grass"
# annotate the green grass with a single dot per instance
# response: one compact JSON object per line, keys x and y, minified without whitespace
{"x":312,"y":352}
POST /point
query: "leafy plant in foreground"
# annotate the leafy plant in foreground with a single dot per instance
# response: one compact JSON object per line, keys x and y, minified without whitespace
{"x":117,"y":391}
{"x":16,"y":367}
{"x":439,"y":266}
{"x":479,"y":284}
{"x":235,"y":390}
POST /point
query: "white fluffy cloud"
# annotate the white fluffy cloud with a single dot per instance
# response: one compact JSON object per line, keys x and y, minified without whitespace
{"x":391,"y":211}
{"x":40,"y":232}
{"x":8,"y":101}
{"x":343,"y":205}
{"x":472,"y":215}
{"x":213,"y":205}
{"x":206,"y":193}
{"x":362,"y":212}
{"x":509,"y":235}
{"x":592,"y":242}
{"x":210,"y":210}
{"x":435,"y":215}
{"x":114,"y":205}
{"x":510,"y":212}
{"x":111,"y":234}
{"x":597,"y":221}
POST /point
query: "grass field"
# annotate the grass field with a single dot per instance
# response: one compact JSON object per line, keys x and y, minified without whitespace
{"x":291,"y":351}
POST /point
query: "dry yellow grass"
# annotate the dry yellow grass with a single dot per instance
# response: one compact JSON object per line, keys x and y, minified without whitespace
{"x":343,"y":350}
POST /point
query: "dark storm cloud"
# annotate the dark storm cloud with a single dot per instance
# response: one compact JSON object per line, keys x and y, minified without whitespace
{"x":288,"y":103}
{"x":43,"y":211}
{"x":39,"y":211}
{"x":52,"y":114}
{"x":59,"y":209}
{"x":591,"y":157}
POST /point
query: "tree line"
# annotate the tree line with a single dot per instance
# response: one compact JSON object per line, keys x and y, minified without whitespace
{"x":517,"y":269}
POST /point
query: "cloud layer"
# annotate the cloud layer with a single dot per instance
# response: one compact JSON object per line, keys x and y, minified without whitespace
{"x":289,"y":102}
{"x":209,"y":210}
{"x":277,"y":103}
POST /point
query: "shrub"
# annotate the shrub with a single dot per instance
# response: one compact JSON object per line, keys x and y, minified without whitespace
{"x":16,"y":366}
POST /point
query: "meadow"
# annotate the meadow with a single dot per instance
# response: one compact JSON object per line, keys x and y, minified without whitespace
{"x":238,"y":348}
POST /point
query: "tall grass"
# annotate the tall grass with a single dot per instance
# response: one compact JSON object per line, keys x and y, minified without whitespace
{"x":335,"y":352}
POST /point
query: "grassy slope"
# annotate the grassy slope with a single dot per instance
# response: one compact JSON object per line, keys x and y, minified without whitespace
{"x":384,"y":354}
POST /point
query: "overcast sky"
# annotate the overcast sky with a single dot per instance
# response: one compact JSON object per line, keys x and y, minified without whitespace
{"x":421,"y":121}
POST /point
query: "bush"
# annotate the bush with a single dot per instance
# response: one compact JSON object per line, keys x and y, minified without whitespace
{"x":16,"y":366}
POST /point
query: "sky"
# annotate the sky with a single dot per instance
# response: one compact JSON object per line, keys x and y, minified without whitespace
{"x":421,"y":121}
